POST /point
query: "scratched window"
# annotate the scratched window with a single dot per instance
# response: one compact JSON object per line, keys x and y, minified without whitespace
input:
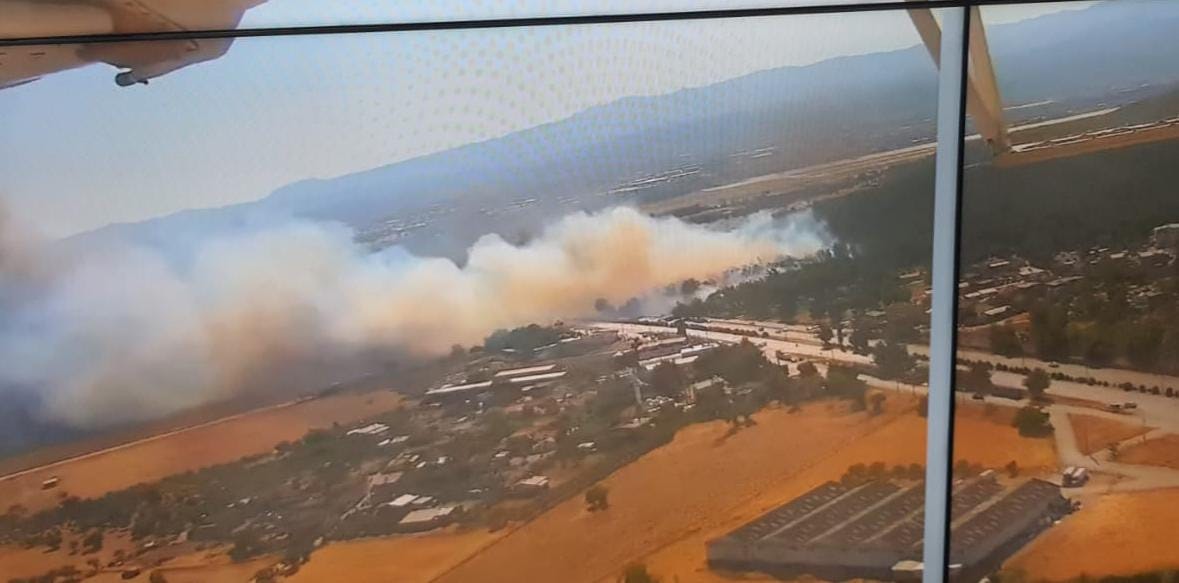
{"x":589,"y":302}
{"x":1068,"y":343}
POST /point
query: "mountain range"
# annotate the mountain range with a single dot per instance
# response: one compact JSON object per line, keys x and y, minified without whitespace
{"x":1109,"y":53}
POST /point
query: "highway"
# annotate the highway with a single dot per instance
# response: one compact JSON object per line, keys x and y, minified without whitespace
{"x":1158,"y":412}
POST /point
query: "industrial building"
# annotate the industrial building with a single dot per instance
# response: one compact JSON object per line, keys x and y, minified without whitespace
{"x":527,"y":378}
{"x":873,"y":530}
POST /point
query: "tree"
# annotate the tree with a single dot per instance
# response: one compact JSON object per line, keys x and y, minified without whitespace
{"x":667,"y":379}
{"x":978,"y":378}
{"x":1032,"y":422}
{"x":597,"y":497}
{"x":689,"y":287}
{"x":1012,"y":469}
{"x":844,"y":382}
{"x":92,"y":542}
{"x":860,"y":335}
{"x":807,"y":369}
{"x":1144,"y":345}
{"x":1050,"y":331}
{"x":637,"y":573}
{"x":1168,"y":357}
{"x":835,"y":315}
{"x":1099,"y":350}
{"x":1037,"y":382}
{"x":892,"y":359}
{"x":824,"y":334}
{"x":902,"y":320}
{"x":1004,"y":341}
{"x":246,"y":544}
{"x":877,"y":401}
{"x":739,"y":364}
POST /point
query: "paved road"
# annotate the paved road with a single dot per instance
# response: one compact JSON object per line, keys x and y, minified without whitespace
{"x":1134,"y":477}
{"x":1154,"y":410}
{"x":1158,"y":412}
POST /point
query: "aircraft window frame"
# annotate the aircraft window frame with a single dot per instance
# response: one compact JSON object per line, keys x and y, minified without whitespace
{"x":665,"y":10}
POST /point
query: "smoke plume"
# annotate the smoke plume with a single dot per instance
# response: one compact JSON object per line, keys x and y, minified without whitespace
{"x":120,"y":333}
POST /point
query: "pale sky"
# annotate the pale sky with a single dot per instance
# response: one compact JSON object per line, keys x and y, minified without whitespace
{"x":78,"y":152}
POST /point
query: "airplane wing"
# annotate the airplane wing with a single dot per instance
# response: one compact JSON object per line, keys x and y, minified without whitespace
{"x":139,"y":61}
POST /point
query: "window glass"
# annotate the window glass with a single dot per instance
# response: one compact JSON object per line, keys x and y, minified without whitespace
{"x":1064,"y":459}
{"x":535,"y":304}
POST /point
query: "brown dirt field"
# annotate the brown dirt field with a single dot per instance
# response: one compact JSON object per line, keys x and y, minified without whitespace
{"x":1096,"y":433}
{"x":401,"y":559}
{"x":17,"y":562}
{"x":978,"y":439}
{"x":221,"y":571}
{"x":988,"y":439}
{"x":691,"y":485}
{"x":1162,"y":451}
{"x":194,"y":567}
{"x":219,"y":442}
{"x":1115,"y":534}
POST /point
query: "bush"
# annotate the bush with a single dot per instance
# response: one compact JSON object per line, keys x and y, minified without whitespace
{"x":1032,"y":422}
{"x":1012,"y":469}
{"x":597,"y":498}
{"x":637,"y":573}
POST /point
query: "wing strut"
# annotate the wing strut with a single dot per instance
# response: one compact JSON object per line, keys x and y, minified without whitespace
{"x":983,"y":102}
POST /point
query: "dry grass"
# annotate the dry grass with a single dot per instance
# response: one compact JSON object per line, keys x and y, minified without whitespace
{"x":190,"y":566}
{"x":1097,"y":433}
{"x":978,"y":438}
{"x":1162,"y":451}
{"x":665,"y":506}
{"x":17,"y":562}
{"x":1116,"y":534}
{"x":221,"y":442}
{"x":399,"y":559}
{"x":691,"y":485}
{"x":984,"y":435}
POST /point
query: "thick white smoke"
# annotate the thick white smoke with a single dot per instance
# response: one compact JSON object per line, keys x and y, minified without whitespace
{"x":120,"y":333}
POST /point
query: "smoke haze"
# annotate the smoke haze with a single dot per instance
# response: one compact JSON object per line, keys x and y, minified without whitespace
{"x":121,"y":333}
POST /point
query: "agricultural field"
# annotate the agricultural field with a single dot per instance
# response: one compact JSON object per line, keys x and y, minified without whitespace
{"x":1100,"y":541}
{"x":708,"y":481}
{"x":403,"y":559}
{"x":1097,"y":433}
{"x":217,"y":442}
{"x":980,"y":439}
{"x":1160,"y":451}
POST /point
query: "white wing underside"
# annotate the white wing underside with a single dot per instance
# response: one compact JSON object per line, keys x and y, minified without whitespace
{"x":139,"y":61}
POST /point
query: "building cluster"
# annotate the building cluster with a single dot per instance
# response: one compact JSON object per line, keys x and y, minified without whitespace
{"x":873,"y":529}
{"x":423,"y":482}
{"x":999,"y":288}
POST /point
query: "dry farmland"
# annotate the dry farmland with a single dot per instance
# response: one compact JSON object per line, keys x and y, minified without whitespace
{"x":1115,"y":534}
{"x":208,"y":444}
{"x":1097,"y":433}
{"x":664,"y":506}
{"x":403,"y":559}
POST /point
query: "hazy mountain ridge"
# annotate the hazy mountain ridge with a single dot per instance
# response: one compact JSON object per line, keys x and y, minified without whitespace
{"x":837,"y":108}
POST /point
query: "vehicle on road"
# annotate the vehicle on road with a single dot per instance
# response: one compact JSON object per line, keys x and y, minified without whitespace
{"x":1074,"y":477}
